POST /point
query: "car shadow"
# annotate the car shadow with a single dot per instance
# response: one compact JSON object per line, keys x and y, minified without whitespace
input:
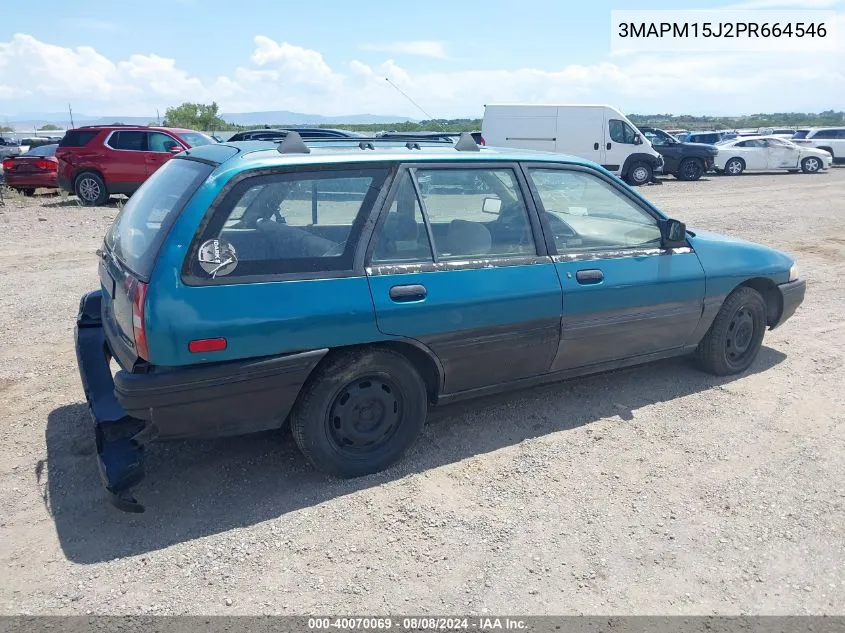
{"x":73,"y":201}
{"x":198,"y":488}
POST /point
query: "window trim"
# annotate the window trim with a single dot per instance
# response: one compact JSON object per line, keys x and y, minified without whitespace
{"x":217,"y":205}
{"x":609,"y":253}
{"x":539,"y":234}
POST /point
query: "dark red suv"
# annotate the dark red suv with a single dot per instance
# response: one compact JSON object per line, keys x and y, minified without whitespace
{"x":98,"y":161}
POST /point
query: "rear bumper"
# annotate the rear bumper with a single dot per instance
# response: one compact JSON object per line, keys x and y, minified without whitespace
{"x":792,"y":296}
{"x":131,"y":409}
{"x":46,"y":180}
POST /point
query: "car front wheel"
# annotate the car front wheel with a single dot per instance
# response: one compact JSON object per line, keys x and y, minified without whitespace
{"x":639,"y":174}
{"x":811,"y":165}
{"x":736,"y":334}
{"x":90,"y":189}
{"x":690,"y":169}
{"x":359,"y":412}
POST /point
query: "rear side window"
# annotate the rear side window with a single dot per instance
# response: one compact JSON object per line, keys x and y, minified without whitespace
{"x":77,"y":138}
{"x":303,"y":221}
{"x":140,"y":228}
{"x":130,"y":140}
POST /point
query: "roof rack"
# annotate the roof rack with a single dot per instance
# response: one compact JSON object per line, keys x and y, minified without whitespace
{"x":293,"y":143}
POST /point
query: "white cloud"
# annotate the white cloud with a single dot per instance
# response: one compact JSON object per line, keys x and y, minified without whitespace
{"x":421,"y":48}
{"x":38,"y":76}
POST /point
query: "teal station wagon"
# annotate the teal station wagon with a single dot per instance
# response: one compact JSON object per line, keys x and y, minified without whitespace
{"x":347,"y":286}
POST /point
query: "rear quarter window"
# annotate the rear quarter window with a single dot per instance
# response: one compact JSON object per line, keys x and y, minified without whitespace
{"x":77,"y":138}
{"x":139,"y":230}
{"x":295,"y":222}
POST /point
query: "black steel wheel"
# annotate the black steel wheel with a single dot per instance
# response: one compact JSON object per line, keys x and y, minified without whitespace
{"x":734,"y":339}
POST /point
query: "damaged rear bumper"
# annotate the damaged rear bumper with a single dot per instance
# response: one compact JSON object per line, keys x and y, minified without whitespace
{"x":120,"y":438}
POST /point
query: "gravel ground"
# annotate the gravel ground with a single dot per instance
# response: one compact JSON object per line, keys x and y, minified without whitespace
{"x":656,"y":489}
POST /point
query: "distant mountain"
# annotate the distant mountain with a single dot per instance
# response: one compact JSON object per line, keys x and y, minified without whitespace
{"x":27,"y":121}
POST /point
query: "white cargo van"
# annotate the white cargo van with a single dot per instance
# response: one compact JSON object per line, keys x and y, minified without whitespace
{"x":599,"y":133}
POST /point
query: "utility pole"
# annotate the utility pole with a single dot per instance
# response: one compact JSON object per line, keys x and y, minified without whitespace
{"x":158,"y":117}
{"x":70,"y":112}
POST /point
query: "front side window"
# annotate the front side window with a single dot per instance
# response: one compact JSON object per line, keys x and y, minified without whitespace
{"x":757,"y":142}
{"x":621,"y":132}
{"x":587,"y":213}
{"x":475,"y":213}
{"x":129,"y":140}
{"x":305,"y":221}
{"x":162,"y":142}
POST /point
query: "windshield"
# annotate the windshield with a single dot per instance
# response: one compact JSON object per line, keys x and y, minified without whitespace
{"x":725,"y":141}
{"x":195,"y":139}
{"x":140,"y":228}
{"x":801,"y":134}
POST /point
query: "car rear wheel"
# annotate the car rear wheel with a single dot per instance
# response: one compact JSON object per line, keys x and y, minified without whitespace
{"x":27,"y":191}
{"x":639,"y":174}
{"x":359,"y":412}
{"x":690,"y":169}
{"x":90,"y":189}
{"x":734,"y":167}
{"x":811,"y":165}
{"x":736,"y":334}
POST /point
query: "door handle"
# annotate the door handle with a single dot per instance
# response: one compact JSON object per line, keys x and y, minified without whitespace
{"x":590,"y":276}
{"x":608,"y":146}
{"x":595,"y":145}
{"x":412,"y":292}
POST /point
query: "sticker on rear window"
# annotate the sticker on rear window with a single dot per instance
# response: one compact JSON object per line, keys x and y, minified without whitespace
{"x":217,"y":257}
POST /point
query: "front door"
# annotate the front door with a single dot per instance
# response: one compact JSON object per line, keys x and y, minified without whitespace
{"x":618,"y":144}
{"x":160,"y":149}
{"x":781,"y":155}
{"x":623,"y":295}
{"x":455,"y":266}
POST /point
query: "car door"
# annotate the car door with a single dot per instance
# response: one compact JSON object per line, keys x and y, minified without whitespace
{"x":667,"y":147}
{"x":126,"y":166}
{"x":619,"y":144}
{"x":754,"y":152}
{"x":623,"y":295}
{"x":456,"y":264}
{"x":781,"y":155}
{"x":160,"y":147}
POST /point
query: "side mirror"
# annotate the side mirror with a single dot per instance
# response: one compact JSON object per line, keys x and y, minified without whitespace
{"x":638,"y":140}
{"x":491,"y":205}
{"x":673,"y":234}
{"x":175,"y":149}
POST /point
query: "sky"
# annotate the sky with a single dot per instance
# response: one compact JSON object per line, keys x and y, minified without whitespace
{"x":331,"y":57}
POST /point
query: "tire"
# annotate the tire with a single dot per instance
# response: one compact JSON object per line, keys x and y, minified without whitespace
{"x":90,"y":189}
{"x":736,"y":334}
{"x":690,"y":169}
{"x":28,"y":191}
{"x":359,"y":412}
{"x":811,"y":165}
{"x":735,"y":167}
{"x":639,"y":174}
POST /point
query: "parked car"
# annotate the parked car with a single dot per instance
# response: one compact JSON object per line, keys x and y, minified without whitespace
{"x":685,"y":161}
{"x":829,"y":139}
{"x":768,"y":152}
{"x":451,"y":137}
{"x":98,"y":161}
{"x":709,"y":138}
{"x":267,"y":134}
{"x":35,"y":169}
{"x":9,"y":147}
{"x":238,"y":290}
{"x":599,"y":133}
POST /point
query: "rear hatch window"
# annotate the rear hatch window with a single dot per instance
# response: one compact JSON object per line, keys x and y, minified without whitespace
{"x":140,"y":228}
{"x":77,"y":138}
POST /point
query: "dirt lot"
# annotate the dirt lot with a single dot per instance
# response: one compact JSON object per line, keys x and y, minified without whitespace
{"x":652,"y":490}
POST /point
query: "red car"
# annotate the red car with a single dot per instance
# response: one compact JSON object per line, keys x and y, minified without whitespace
{"x":33,"y":170}
{"x":98,"y":161}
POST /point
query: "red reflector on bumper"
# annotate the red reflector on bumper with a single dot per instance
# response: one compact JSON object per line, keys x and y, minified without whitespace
{"x":207,"y":345}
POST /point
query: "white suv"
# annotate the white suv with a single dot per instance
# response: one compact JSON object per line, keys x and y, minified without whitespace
{"x":830,"y":139}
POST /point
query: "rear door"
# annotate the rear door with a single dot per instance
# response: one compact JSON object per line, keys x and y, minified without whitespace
{"x":125,"y":166}
{"x":581,"y":132}
{"x":457,"y":264}
{"x":623,"y":295}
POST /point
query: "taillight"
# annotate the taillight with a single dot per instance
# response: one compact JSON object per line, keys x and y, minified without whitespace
{"x":139,"y":297}
{"x":483,"y":142}
{"x":8,"y":164}
{"x":45,"y":165}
